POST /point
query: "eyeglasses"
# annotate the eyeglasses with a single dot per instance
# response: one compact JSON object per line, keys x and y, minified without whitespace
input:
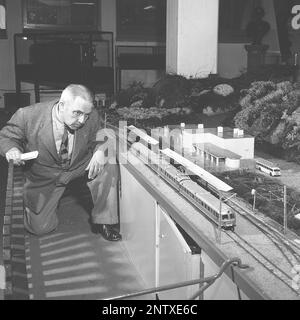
{"x":79,"y":114}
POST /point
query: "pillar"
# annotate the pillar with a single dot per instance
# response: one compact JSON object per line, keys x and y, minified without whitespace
{"x":192,"y":37}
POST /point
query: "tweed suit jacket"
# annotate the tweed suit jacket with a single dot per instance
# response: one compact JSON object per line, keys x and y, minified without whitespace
{"x":31,"y":129}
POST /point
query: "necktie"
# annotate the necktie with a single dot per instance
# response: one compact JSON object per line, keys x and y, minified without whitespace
{"x":63,"y":151}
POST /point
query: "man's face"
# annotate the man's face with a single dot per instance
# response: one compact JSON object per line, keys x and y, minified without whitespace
{"x":75,"y":113}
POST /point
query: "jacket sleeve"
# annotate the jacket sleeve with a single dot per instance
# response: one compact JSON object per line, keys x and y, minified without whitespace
{"x":13,"y":134}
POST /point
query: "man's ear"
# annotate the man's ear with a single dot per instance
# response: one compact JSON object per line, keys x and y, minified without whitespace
{"x":61,"y":105}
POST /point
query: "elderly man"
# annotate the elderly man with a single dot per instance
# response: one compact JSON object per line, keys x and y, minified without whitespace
{"x":64,"y":134}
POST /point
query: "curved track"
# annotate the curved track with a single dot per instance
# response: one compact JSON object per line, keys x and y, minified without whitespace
{"x":289,"y":250}
{"x":261,"y":258}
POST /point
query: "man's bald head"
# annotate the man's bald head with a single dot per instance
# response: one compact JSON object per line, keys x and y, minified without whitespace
{"x":73,"y":91}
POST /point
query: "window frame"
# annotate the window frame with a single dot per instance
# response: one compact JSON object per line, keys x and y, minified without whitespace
{"x":31,"y":27}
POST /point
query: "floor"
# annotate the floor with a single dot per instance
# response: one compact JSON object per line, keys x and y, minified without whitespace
{"x":73,"y":263}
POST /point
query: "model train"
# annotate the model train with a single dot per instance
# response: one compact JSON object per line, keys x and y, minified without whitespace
{"x":199,"y":197}
{"x":197,"y":174}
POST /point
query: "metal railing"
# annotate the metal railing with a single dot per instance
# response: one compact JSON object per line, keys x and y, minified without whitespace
{"x":205,"y":282}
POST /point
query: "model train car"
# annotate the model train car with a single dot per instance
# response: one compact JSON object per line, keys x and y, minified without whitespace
{"x":199,"y":197}
{"x":207,"y":180}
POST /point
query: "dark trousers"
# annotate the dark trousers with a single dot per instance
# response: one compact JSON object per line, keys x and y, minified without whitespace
{"x":103,"y":190}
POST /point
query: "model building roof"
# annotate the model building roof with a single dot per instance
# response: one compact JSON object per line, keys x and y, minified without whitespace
{"x":205,"y":175}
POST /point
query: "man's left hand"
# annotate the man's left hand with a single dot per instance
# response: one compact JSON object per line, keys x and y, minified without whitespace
{"x":96,"y":164}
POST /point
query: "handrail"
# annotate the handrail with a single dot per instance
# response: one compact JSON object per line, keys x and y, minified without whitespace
{"x":208,"y":280}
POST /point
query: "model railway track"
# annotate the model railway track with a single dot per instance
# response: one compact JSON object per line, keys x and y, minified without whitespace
{"x":262,"y":259}
{"x":14,"y":238}
{"x":291,"y":257}
{"x":286,"y":250}
{"x":289,"y":253}
{"x":260,"y":221}
{"x":287,"y":247}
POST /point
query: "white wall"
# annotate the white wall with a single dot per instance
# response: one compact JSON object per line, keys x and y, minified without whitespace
{"x":192,"y":36}
{"x":241,"y":146}
{"x":155,"y":246}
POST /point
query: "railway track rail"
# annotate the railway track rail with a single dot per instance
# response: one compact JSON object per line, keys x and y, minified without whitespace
{"x":290,"y":250}
{"x":14,"y":254}
{"x":262,"y":259}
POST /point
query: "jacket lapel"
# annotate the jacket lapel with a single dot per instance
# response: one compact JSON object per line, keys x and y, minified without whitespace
{"x":46,"y":132}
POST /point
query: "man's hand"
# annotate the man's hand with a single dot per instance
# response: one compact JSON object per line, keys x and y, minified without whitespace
{"x":15,"y":155}
{"x":96,"y":164}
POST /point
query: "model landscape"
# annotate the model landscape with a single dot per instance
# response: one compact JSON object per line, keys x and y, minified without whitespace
{"x":267,"y":110}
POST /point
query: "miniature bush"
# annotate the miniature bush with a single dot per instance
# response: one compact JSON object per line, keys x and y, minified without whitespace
{"x":269,"y":112}
{"x":136,"y":93}
{"x":175,"y":91}
{"x":172,"y":91}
